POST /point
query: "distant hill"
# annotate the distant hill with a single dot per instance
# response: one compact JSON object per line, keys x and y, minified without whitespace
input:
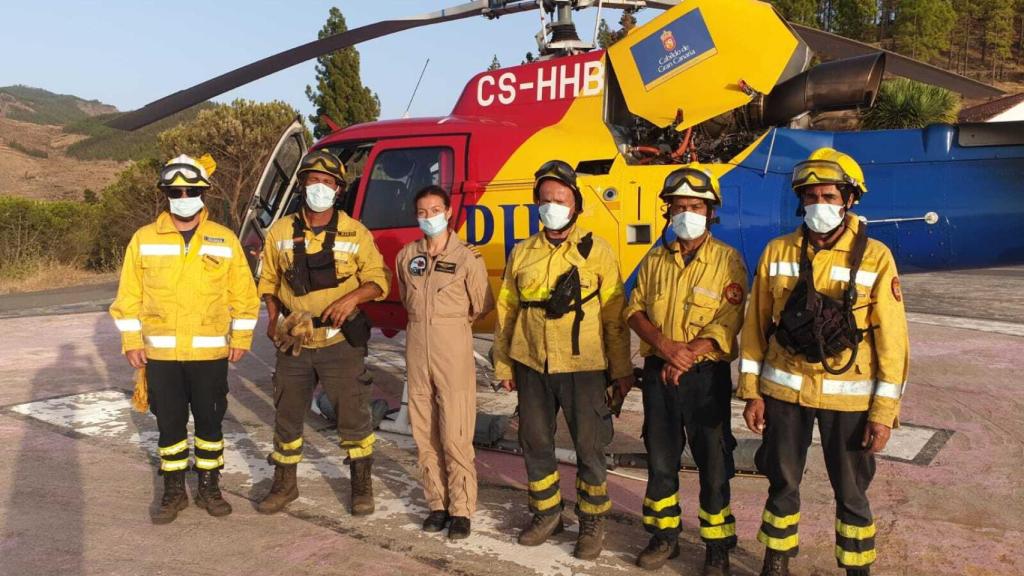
{"x":40,"y":106}
{"x":104,"y":143}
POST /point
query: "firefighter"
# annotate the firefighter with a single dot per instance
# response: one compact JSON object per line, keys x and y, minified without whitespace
{"x":687,"y":307}
{"x":559,"y":337}
{"x":825,"y":338}
{"x":443,"y":284}
{"x":318,"y":266}
{"x":186,"y":306}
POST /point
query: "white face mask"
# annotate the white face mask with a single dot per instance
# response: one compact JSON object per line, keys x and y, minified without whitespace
{"x":823,"y":218}
{"x":434,"y":225}
{"x":554,"y":216}
{"x":319,"y":197}
{"x":186,"y":207}
{"x":689,"y":225}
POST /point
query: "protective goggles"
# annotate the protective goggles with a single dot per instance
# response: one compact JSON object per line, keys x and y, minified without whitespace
{"x":697,"y":180}
{"x":180,"y":192}
{"x":557,"y":170}
{"x":820,"y":172}
{"x":182,"y":175}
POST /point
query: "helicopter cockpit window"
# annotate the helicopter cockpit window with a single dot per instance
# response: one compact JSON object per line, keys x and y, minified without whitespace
{"x":395,"y":178}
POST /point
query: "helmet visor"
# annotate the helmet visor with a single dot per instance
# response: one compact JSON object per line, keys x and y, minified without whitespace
{"x":819,"y":172}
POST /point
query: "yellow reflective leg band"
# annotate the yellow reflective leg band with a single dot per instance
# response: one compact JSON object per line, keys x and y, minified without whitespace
{"x":547,"y":502}
{"x":599,"y":490}
{"x":173,"y":465}
{"x":781,"y":522}
{"x":855,"y":558}
{"x":662,"y":523}
{"x":173,"y":448}
{"x":282,"y":459}
{"x":779,"y":544}
{"x":293,"y":445}
{"x":545,"y":482}
{"x":714,"y":519}
{"x":209,"y":446}
{"x":718,"y":532}
{"x":659,"y":505}
{"x":854,"y":532}
{"x":209,"y":464}
{"x":359,"y":448}
{"x":594,"y":509}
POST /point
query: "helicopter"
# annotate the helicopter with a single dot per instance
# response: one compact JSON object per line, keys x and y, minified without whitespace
{"x":727,"y":83}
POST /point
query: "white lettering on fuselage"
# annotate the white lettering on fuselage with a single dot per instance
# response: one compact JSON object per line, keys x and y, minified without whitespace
{"x":554,"y":82}
{"x":675,"y":58}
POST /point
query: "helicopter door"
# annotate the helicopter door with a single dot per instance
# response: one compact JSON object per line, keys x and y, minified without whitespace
{"x":395,"y":171}
{"x":271,"y":195}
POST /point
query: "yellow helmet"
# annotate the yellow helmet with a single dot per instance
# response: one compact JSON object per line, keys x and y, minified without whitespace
{"x":694,"y":181}
{"x":186,"y":172}
{"x":829,"y":166}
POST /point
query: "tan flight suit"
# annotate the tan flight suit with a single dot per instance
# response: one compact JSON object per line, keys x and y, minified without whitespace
{"x":443,"y":296}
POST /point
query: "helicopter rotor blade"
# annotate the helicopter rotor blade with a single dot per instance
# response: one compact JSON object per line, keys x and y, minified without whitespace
{"x":835,"y":46}
{"x":183,"y":99}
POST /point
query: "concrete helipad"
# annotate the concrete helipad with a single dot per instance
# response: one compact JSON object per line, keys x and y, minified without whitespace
{"x":78,"y":481}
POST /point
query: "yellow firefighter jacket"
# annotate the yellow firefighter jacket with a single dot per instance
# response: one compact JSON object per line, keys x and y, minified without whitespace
{"x":356,"y":260}
{"x":185,"y":302}
{"x":878,"y":377}
{"x":525,"y":335}
{"x":702,"y":299}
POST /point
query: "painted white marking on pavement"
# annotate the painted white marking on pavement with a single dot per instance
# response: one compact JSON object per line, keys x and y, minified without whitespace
{"x":107,"y":414}
{"x":1008,"y":328}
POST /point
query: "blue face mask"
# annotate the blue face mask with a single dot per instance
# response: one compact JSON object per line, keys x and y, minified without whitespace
{"x":434,"y":225}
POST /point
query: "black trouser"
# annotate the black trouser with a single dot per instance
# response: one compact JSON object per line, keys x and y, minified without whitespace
{"x":175,"y":386}
{"x":696,"y":411}
{"x":338,"y":368}
{"x":581,"y":396}
{"x":782,"y":456}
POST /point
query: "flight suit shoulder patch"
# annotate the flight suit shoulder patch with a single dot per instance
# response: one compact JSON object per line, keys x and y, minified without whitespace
{"x":446,"y":267}
{"x":734,"y":293}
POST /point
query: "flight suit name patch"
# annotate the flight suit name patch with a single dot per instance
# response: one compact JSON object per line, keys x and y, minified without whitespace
{"x":446,"y":267}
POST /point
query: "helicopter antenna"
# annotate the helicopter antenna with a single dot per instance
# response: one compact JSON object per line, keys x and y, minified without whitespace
{"x":411,"y":98}
{"x":597,"y":22}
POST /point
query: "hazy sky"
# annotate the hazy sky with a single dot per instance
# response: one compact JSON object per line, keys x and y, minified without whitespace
{"x":129,"y":53}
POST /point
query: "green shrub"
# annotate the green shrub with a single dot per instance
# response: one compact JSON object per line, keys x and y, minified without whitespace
{"x":33,"y":152}
{"x":35,"y":230}
{"x":903,"y":103}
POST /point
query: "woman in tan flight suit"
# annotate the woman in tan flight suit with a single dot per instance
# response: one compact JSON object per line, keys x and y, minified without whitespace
{"x":443,"y":283}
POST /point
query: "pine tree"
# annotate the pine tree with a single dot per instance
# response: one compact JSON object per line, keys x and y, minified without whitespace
{"x":495,"y":64}
{"x":799,"y":11}
{"x":606,"y":37}
{"x":999,"y":32}
{"x":854,"y":18}
{"x":923,"y":27}
{"x":339,"y":92}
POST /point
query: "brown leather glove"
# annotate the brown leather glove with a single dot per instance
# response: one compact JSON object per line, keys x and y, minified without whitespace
{"x":293,"y":332}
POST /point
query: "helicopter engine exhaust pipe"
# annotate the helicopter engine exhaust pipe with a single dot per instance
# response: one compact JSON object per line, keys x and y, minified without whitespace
{"x":837,"y":85}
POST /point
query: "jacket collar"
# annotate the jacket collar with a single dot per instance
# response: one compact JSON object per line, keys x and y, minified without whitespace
{"x":453,"y":241}
{"x":702,"y":254}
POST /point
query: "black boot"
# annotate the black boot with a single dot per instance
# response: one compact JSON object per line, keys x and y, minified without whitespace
{"x":716,"y":560}
{"x":775,"y":564}
{"x":858,"y":572}
{"x":174,"y":499}
{"x":435,"y":521}
{"x":460,"y":528}
{"x":208,"y":496}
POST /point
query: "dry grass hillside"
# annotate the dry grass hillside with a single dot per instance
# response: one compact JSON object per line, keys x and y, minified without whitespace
{"x":34,"y":163}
